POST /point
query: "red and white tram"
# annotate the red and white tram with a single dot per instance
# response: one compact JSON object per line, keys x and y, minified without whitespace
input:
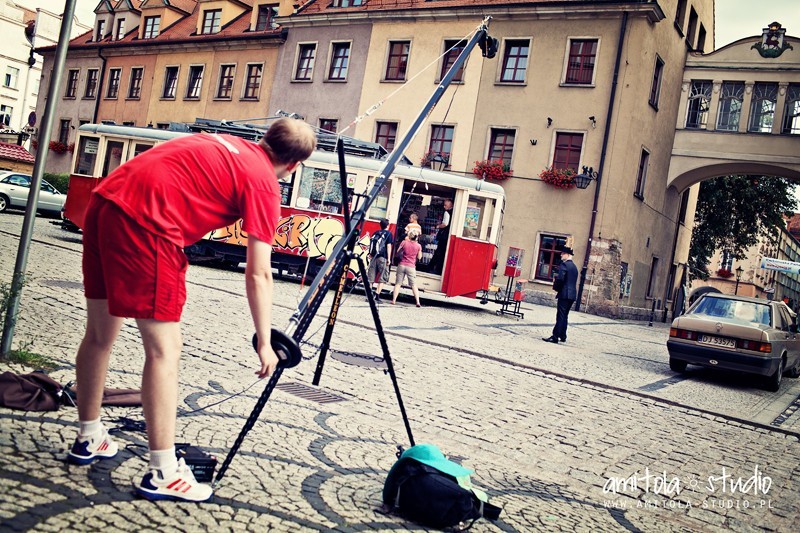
{"x":311,"y":205}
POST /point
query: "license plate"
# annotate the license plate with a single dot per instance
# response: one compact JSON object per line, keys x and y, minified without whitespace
{"x":717,"y":341}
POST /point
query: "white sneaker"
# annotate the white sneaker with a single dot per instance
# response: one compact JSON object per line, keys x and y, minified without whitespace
{"x":98,"y":446}
{"x":180,"y":486}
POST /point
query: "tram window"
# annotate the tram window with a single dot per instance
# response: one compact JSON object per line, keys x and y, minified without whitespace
{"x":287,"y":184}
{"x":380,"y":207}
{"x":113,"y":157}
{"x":321,"y":190}
{"x":139,"y":148}
{"x":87,"y":155}
{"x":478,"y":220}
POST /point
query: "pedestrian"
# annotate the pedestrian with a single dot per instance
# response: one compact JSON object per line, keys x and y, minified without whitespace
{"x":413,"y":225}
{"x":380,"y":250}
{"x":565,"y":285}
{"x":442,"y":235}
{"x":411,"y":252}
{"x":137,"y":223}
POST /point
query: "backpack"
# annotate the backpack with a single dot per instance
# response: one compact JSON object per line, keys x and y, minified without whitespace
{"x":377,"y":245}
{"x":432,"y":498}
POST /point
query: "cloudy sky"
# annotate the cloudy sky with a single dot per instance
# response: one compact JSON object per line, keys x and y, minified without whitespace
{"x":735,"y":18}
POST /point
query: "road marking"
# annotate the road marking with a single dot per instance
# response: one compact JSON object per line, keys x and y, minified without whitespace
{"x":663,"y":383}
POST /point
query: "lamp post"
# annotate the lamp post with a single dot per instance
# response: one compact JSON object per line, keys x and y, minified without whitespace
{"x":739,"y":271}
{"x":438,"y":162}
{"x":583,"y":179}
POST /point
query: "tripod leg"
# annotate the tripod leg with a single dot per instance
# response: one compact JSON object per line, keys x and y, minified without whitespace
{"x":385,"y":349}
{"x":326,"y":341}
{"x":251,"y":420}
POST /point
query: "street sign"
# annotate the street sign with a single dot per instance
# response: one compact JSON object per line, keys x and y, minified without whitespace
{"x":790,"y":267}
{"x":32,"y":119}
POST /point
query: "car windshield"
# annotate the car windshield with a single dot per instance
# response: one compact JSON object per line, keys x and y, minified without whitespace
{"x":733,"y":309}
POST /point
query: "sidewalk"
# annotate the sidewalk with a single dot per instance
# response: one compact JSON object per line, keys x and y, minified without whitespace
{"x":556,"y":453}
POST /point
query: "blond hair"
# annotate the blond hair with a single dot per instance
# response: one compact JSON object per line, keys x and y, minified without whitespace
{"x":289,"y":140}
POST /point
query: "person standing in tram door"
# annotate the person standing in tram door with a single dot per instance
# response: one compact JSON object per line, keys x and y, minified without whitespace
{"x":380,"y":250}
{"x":442,"y":235}
{"x":565,"y":285}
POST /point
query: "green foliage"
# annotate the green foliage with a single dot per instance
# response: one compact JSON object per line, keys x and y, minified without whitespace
{"x":59,"y":181}
{"x":23,"y":355}
{"x":732,"y":212}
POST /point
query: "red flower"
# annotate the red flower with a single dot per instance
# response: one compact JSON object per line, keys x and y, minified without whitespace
{"x":561,"y":178}
{"x":496,"y":170}
{"x":58,"y":147}
{"x":724,"y":273}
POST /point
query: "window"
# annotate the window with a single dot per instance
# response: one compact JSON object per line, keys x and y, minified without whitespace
{"x":442,"y":141}
{"x":211,"y":21}
{"x":791,"y":112}
{"x":347,"y":3}
{"x":329,"y":124}
{"x":684,"y":207}
{"x":501,"y":145}
{"x":151,"y":26}
{"x":701,"y":39}
{"x":225,"y":87}
{"x":452,"y":50}
{"x":731,"y":97}
{"x":641,"y":174}
{"x":762,"y":107}
{"x":12,"y":75}
{"x":5,"y":115}
{"x":135,"y":86}
{"x":726,"y":262}
{"x":651,"y":283}
{"x":699,"y":100}
{"x":580,"y":66}
{"x":91,"y":83}
{"x":87,"y":155}
{"x":397,"y":62}
{"x":170,"y":82}
{"x":120,"y":29}
{"x":655,"y":89}
{"x":549,"y":256}
{"x":101,"y":28}
{"x":195,"y":81}
{"x":386,"y":134}
{"x":568,"y":150}
{"x":690,"y":30}
{"x":340,"y":59}
{"x":320,"y":189}
{"x":63,"y":131}
{"x":305,"y":62}
{"x":624,"y":280}
{"x":478,"y":221}
{"x":266,"y":14}
{"x":72,"y":84}
{"x":680,"y":15}
{"x":253,"y":81}
{"x":113,"y":82}
{"x":515,"y":61}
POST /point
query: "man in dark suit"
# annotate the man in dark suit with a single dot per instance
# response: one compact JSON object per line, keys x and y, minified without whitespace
{"x":565,"y":285}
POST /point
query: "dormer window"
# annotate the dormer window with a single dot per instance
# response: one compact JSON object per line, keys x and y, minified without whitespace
{"x":211,"y":21}
{"x":266,"y":16}
{"x":120,"y":29}
{"x":101,"y":27}
{"x":348,"y":3}
{"x":151,"y":26}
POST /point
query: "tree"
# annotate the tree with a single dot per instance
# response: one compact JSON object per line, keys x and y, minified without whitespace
{"x":732,"y":212}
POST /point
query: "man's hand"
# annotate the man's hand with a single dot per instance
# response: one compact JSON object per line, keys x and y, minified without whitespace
{"x":269,"y":361}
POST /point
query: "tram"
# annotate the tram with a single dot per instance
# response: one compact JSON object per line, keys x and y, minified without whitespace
{"x":311,"y":205}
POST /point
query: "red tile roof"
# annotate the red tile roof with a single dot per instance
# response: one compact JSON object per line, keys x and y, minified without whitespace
{"x":15,"y":152}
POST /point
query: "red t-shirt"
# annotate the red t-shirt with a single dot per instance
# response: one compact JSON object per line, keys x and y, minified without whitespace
{"x":188,"y":186}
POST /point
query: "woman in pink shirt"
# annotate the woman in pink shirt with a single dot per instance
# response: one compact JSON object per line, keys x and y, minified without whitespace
{"x":411,"y":252}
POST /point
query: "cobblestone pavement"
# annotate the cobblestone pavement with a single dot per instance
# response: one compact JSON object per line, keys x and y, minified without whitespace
{"x":595,"y":435}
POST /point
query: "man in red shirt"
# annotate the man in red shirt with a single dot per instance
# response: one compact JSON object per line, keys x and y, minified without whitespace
{"x":138,"y":221}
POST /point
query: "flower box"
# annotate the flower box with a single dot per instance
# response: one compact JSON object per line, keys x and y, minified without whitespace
{"x":724,"y":273}
{"x":58,"y":147}
{"x":495,"y":170}
{"x":561,"y":178}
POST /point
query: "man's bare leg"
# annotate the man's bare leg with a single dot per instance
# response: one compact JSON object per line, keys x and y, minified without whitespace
{"x":93,"y":356}
{"x":162,"y":348}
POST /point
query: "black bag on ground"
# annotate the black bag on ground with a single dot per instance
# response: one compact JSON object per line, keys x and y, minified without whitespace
{"x":30,"y":392}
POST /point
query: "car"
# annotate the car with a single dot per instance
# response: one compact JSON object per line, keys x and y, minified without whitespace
{"x":14,"y":189}
{"x":739,"y":333}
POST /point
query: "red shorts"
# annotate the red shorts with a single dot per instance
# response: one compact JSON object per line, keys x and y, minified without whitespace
{"x":141,"y":274}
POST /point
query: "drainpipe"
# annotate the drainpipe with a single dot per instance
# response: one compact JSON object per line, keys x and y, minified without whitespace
{"x":610,"y":112}
{"x":99,"y":85}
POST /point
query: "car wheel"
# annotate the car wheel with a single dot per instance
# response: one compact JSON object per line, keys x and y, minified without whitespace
{"x":3,"y":203}
{"x":677,"y":365}
{"x":774,"y":381}
{"x":794,"y":372}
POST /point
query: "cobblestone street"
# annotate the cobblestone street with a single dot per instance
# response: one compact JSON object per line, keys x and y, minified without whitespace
{"x":594,"y":435}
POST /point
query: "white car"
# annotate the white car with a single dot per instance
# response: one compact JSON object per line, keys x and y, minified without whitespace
{"x":14,"y":189}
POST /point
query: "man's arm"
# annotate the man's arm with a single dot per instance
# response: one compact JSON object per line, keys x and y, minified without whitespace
{"x":258,"y":280}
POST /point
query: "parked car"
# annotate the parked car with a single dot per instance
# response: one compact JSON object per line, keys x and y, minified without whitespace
{"x":14,"y":189}
{"x":737,"y":333}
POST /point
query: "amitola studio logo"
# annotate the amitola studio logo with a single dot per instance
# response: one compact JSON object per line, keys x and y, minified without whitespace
{"x":719,"y":489}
